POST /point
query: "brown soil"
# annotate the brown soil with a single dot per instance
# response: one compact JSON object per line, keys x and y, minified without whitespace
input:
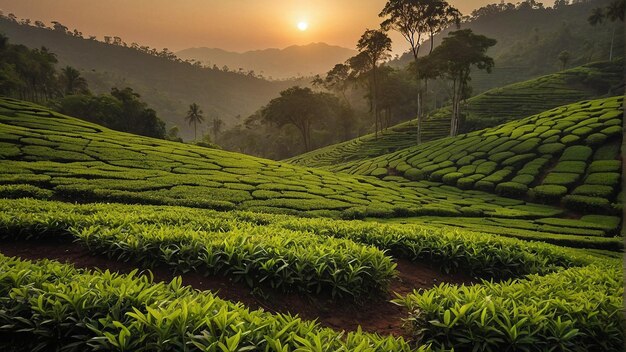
{"x":376,"y":315}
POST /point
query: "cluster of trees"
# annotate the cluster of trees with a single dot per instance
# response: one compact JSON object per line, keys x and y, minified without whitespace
{"x":28,"y":74}
{"x":31,"y":74}
{"x":494,"y":9}
{"x":120,"y":110}
{"x":614,"y":12}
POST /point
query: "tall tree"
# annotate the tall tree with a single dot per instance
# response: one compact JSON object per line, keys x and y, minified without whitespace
{"x":564,"y":57}
{"x":612,"y":13}
{"x":453,"y":60}
{"x":615,"y":12}
{"x":73,"y":82}
{"x":299,"y":107}
{"x":374,"y":46}
{"x":194,"y":116}
{"x":216,"y":126}
{"x":416,"y":20}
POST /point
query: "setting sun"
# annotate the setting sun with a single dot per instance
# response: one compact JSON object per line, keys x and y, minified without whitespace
{"x":303,"y":26}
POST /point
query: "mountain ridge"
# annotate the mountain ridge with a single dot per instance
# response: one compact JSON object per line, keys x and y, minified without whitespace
{"x":278,"y":63}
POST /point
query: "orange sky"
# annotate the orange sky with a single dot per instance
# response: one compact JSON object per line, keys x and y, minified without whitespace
{"x":236,"y":25}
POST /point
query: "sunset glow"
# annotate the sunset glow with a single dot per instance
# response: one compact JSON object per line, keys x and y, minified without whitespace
{"x":303,"y":26}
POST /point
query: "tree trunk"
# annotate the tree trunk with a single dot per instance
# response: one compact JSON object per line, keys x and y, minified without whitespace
{"x":375,"y":100}
{"x":195,"y":131}
{"x":612,"y":42}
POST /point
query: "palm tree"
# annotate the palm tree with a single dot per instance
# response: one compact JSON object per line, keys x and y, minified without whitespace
{"x":615,"y":12}
{"x":72,"y":81}
{"x":194,"y":115}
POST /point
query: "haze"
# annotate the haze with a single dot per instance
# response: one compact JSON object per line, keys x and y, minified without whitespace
{"x":236,"y":25}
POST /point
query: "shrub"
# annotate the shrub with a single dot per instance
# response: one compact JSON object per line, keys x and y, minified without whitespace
{"x":512,"y":189}
{"x":465,"y":183}
{"x":548,"y":193}
{"x":518,"y":159}
{"x":563,"y":179}
{"x":379,"y":172}
{"x":452,"y":178}
{"x":576,"y":153}
{"x":594,"y":191}
{"x":526,"y":146}
{"x":607,"y":152}
{"x":414,"y":174}
{"x":605,"y":166}
{"x":575,"y":167}
{"x":24,"y":191}
{"x":595,"y":139}
{"x":523,"y":179}
{"x":484,"y":186}
{"x":587,"y":204}
{"x":551,"y":148}
{"x":603,"y":178}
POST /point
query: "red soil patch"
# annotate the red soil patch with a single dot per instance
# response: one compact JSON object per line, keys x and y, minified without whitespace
{"x":377,"y":315}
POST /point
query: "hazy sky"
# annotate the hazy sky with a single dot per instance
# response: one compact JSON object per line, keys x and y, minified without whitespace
{"x":236,"y":25}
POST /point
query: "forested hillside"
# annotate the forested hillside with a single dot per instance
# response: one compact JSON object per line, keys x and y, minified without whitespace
{"x":167,"y":86}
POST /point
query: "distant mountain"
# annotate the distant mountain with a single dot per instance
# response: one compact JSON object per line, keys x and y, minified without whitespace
{"x":293,"y":61}
{"x":167,"y":86}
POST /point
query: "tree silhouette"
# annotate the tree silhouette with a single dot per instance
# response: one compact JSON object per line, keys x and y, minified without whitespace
{"x":194,"y":116}
{"x":613,"y":12}
{"x":564,"y":58}
{"x":415,"y":20}
{"x":72,"y":81}
{"x":375,"y":46}
{"x":299,"y":107}
{"x":453,"y":60}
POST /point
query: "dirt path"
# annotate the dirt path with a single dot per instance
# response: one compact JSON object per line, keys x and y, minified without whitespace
{"x":379,"y":315}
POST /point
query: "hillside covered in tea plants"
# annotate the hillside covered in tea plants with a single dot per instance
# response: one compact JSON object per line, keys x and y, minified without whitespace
{"x":491,"y":108}
{"x":112,"y":241}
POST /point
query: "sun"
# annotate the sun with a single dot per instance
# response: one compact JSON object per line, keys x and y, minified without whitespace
{"x":303,"y":26}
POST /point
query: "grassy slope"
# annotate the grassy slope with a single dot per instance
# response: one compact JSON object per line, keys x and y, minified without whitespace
{"x":488,"y":109}
{"x":44,"y":154}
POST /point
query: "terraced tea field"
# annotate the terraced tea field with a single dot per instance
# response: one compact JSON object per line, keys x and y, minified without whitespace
{"x":485,"y":110}
{"x":150,"y":244}
{"x":567,"y":155}
{"x":46,"y":155}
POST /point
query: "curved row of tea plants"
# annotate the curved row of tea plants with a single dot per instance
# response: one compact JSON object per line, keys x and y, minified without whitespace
{"x":304,"y":253}
{"x":257,"y":255}
{"x":485,"y":110}
{"x":569,"y":153}
{"x":578,"y":309}
{"x":47,"y":155}
{"x":591,"y":231}
{"x":51,"y":306}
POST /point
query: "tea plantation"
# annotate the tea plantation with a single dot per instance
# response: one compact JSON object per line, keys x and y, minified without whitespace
{"x":567,"y":155}
{"x":47,"y":155}
{"x":544,"y":276}
{"x":488,"y":109}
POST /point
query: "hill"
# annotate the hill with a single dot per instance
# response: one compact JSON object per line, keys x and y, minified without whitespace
{"x":277,"y":265}
{"x":530,"y":40}
{"x":63,"y":157}
{"x":293,"y":61}
{"x":46,"y":155}
{"x":495,"y":106}
{"x":167,"y":86}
